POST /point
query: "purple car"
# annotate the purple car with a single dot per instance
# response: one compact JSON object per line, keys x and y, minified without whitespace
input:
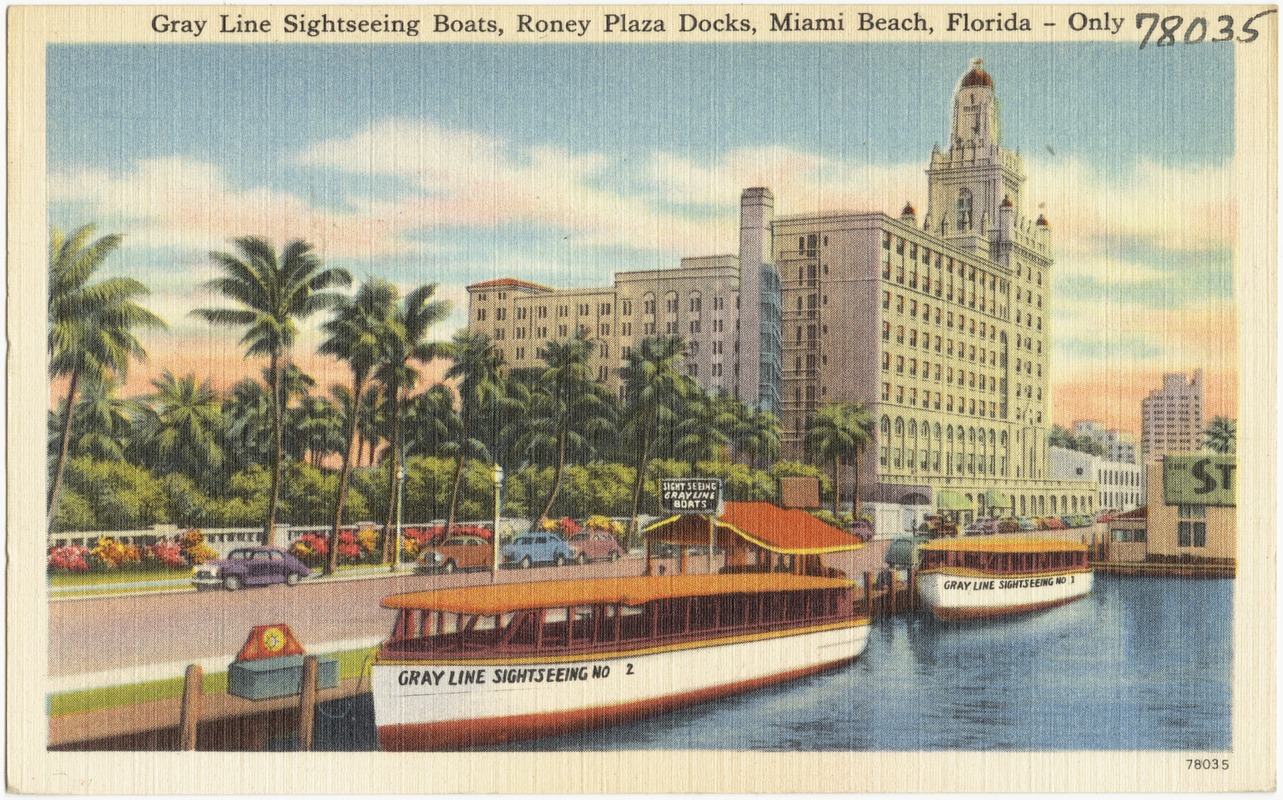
{"x":250,"y":566}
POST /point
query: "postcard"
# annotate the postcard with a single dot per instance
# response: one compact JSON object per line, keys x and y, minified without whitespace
{"x":602,"y":399}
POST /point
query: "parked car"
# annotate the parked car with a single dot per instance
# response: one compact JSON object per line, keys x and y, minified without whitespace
{"x":1055,"y":524}
{"x":1026,"y":524}
{"x":903,"y":552}
{"x":456,"y":553}
{"x":595,"y":546}
{"x":981,"y":527}
{"x":537,"y":548}
{"x":862,"y":530}
{"x":1008,"y":525}
{"x":250,"y":566}
{"x":1107,"y":515}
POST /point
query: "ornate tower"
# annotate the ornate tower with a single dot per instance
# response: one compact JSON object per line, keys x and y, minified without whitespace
{"x":976,"y":177}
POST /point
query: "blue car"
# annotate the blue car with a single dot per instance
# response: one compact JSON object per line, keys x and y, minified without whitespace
{"x":537,"y":548}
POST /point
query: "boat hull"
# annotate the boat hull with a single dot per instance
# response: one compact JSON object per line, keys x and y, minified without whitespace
{"x":530,"y":698}
{"x":967,"y":595}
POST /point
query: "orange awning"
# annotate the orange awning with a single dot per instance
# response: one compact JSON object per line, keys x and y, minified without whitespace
{"x":501,"y":598}
{"x":780,"y":530}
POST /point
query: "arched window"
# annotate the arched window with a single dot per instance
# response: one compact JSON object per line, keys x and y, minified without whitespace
{"x":936,"y":431}
{"x":648,"y":303}
{"x":899,"y":426}
{"x":885,"y":426}
{"x":964,"y":209}
{"x":913,"y":428}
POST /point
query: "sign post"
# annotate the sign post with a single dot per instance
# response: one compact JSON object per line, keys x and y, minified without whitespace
{"x":694,"y":496}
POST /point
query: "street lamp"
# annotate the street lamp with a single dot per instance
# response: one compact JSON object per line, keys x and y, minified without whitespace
{"x":400,"y":497}
{"x":498,"y":486}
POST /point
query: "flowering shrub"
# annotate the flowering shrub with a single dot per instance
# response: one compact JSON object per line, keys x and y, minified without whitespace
{"x":312,"y":549}
{"x":166,"y":554}
{"x":194,"y":548}
{"x":565,"y":526}
{"x":69,"y":558}
{"x":371,"y":541}
{"x":113,"y":554}
{"x":600,"y":522}
{"x":349,"y":549}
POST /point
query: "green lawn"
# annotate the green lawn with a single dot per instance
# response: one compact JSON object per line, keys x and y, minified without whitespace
{"x":118,"y":576}
{"x":350,"y":665}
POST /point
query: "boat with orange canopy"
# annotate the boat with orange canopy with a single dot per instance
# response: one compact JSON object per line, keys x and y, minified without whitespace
{"x":991,"y":575}
{"x":498,"y":663}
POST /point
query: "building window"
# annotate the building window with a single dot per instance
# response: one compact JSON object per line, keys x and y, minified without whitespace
{"x":1191,"y":530}
{"x":481,"y":315}
{"x":964,"y":210}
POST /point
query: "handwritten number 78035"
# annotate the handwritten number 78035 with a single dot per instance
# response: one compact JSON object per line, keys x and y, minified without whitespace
{"x":1196,"y":32}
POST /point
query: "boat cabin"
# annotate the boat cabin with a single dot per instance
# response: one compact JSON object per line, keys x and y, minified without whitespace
{"x":607,"y":615}
{"x":1004,"y":556}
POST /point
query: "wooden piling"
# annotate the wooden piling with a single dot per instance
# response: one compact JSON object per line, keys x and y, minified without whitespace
{"x":307,"y":704}
{"x":892,"y":592}
{"x":868,"y":595}
{"x":911,"y":602}
{"x":189,"y":715}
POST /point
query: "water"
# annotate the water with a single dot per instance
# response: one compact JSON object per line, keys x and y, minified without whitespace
{"x":1139,"y":664}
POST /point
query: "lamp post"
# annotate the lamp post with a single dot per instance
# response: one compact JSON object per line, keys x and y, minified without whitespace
{"x":400,"y":497}
{"x":498,"y":486}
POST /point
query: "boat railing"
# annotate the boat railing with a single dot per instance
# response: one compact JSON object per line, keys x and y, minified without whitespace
{"x":602,"y":628}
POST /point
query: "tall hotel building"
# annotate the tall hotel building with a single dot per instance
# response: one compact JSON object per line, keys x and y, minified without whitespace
{"x":941,"y":326}
{"x":1172,"y":417}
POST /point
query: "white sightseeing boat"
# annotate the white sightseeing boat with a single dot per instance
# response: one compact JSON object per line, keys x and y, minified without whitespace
{"x":991,"y":575}
{"x":489,"y":664}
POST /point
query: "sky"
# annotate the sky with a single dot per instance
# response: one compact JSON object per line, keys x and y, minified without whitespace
{"x":561,"y":164}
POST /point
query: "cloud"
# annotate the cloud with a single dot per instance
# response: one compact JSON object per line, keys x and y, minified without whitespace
{"x":175,"y":203}
{"x":465,"y":179}
{"x":1155,"y":206}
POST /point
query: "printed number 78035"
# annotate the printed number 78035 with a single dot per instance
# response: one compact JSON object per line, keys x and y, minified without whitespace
{"x":1207,"y":763}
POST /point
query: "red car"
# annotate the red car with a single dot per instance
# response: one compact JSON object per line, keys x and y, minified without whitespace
{"x":595,"y":546}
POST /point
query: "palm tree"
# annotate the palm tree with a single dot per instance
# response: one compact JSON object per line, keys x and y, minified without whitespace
{"x":478,"y":367}
{"x":355,"y":334}
{"x":839,"y":432}
{"x":184,"y":427}
{"x":90,"y":325}
{"x":707,"y":424}
{"x":105,"y":422}
{"x":654,"y":389}
{"x":271,"y":294}
{"x":317,"y":425}
{"x":758,"y":436}
{"x":431,"y":423}
{"x":575,"y":406}
{"x":1221,"y":436}
{"x":405,"y":342}
{"x":248,"y":414}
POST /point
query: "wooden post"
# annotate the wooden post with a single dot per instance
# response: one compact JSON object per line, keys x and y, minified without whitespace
{"x":307,"y":704}
{"x":681,"y":562}
{"x":712,"y":540}
{"x":649,"y":568}
{"x":891,"y":593}
{"x":189,"y":716}
{"x":911,"y":602}
{"x":868,"y":595}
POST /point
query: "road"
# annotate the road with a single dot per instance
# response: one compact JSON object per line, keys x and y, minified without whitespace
{"x":100,"y":634}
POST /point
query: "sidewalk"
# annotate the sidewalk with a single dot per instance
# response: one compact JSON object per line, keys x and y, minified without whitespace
{"x":179,"y":585}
